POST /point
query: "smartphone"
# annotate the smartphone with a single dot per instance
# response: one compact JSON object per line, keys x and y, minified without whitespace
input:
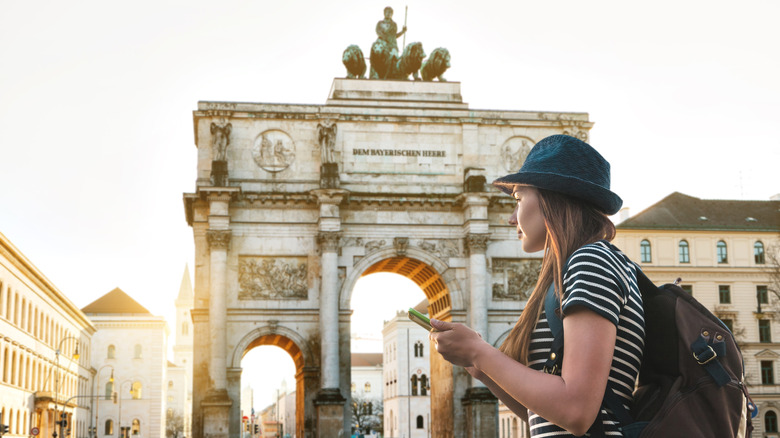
{"x":421,"y":320}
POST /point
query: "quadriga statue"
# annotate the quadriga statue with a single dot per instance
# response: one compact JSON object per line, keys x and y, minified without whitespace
{"x":436,"y":64}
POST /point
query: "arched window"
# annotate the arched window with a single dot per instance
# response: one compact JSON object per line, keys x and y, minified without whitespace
{"x":135,"y":390}
{"x":111,"y":354}
{"x":423,"y":385}
{"x":185,"y":328}
{"x":758,"y":253}
{"x":414,"y":384}
{"x":109,"y":390}
{"x":136,"y":426}
{"x":109,"y":429}
{"x":723,"y":256}
{"x":770,"y":422}
{"x":170,"y":384}
{"x":354,"y":386}
{"x":420,"y":422}
{"x":138,"y":351}
{"x":685,"y":255}
{"x":367,"y":387}
{"x":645,"y":251}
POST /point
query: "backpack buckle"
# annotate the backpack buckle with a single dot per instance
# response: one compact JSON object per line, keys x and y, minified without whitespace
{"x":708,"y":355}
{"x":552,"y":370}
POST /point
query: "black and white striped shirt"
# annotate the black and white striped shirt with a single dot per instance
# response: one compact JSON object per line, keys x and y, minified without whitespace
{"x":601,"y":278}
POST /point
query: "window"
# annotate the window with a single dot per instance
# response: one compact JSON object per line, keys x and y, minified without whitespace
{"x":764,"y":331}
{"x":645,"y":251}
{"x":685,"y":256}
{"x":135,"y":390}
{"x":758,"y":255}
{"x":367,"y":387}
{"x":724,"y":294}
{"x":770,"y":422}
{"x":687,"y":288}
{"x":722,"y":252}
{"x":767,"y":372}
{"x":423,"y":385}
{"x":111,"y":352}
{"x":354,"y":387}
{"x":185,"y":328}
{"x":414,"y":384}
{"x":418,"y":349}
{"x":170,"y":384}
{"x":138,"y":351}
{"x":109,"y":429}
{"x":109,"y":390}
{"x":762,"y":295}
{"x":420,"y":422}
{"x":728,"y":322}
{"x":136,"y":427}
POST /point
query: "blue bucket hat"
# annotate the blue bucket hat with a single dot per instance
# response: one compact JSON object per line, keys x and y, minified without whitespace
{"x":567,"y":165}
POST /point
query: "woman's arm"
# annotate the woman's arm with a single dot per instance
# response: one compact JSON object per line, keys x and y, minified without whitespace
{"x":513,"y":405}
{"x":571,"y":400}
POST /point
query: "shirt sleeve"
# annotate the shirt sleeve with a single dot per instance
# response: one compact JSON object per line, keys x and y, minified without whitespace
{"x":593,"y":280}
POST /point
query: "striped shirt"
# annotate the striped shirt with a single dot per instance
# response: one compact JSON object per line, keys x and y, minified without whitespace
{"x":601,"y":278}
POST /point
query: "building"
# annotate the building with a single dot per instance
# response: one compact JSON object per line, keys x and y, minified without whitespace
{"x":179,"y":386}
{"x":725,"y":252}
{"x":132,"y":343}
{"x":406,"y":375}
{"x":45,"y":352}
{"x":367,"y":395}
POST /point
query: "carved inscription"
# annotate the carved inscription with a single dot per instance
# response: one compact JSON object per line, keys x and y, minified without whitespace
{"x":263,"y":278}
{"x":514,"y":279}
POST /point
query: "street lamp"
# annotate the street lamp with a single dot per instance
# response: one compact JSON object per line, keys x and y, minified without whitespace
{"x":57,"y":381}
{"x":121,"y":385}
{"x":97,"y":394}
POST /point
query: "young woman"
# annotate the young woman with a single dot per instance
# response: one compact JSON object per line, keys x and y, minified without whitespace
{"x":563,"y":199}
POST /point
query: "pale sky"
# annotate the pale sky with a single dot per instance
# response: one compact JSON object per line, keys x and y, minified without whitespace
{"x":96,"y":102}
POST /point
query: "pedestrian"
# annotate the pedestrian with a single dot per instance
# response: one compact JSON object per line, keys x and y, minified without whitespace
{"x":563,"y":202}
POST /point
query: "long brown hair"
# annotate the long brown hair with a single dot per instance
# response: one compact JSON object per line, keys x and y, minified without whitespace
{"x":571,"y":223}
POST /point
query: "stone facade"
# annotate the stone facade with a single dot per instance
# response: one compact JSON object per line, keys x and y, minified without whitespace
{"x":40,"y":332}
{"x":179,"y":386}
{"x":281,"y":241}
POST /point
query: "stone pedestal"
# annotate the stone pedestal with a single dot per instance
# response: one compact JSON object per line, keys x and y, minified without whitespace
{"x":216,"y":410}
{"x":219,"y":173}
{"x":329,"y":176}
{"x":330,"y":413}
{"x":481,"y":413}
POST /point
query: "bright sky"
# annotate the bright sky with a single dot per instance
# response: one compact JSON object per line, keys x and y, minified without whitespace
{"x":96,"y":102}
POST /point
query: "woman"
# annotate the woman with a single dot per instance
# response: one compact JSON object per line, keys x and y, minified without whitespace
{"x":563,"y":199}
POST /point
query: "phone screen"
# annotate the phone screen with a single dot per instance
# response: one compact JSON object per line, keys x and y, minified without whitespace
{"x":420,"y":319}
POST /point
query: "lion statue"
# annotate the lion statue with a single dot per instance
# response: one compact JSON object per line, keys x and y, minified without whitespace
{"x":436,"y":64}
{"x":410,"y":62}
{"x":382,"y":60}
{"x":354,"y":62}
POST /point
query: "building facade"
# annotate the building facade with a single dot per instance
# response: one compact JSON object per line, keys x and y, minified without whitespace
{"x":45,"y":352}
{"x":179,"y":373}
{"x":132,"y":344}
{"x":407,"y":382}
{"x":725,"y":252}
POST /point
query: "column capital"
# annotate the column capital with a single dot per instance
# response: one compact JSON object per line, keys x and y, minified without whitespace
{"x":218,"y":239}
{"x":476,"y":243}
{"x":329,"y":240}
{"x":329,"y":196}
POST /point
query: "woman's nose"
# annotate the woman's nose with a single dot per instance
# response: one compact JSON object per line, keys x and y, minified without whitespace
{"x":513,"y":217}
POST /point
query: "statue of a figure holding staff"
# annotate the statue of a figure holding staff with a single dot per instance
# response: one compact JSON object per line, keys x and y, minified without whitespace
{"x":387,"y":31}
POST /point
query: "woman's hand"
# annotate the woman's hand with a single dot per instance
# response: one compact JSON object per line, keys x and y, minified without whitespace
{"x":456,"y":342}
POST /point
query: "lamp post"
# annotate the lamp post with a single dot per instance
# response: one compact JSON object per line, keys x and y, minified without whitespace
{"x":97,"y":394}
{"x":57,"y":381}
{"x":121,"y":385}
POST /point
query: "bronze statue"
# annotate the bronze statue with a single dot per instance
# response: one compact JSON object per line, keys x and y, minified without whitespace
{"x":386,"y":31}
{"x":354,"y":61}
{"x":436,"y":64}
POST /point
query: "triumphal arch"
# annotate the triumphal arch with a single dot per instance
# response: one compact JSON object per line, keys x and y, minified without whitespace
{"x":294,"y":203}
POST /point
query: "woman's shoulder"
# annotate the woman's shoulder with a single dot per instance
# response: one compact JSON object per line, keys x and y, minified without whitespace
{"x":601,"y":253}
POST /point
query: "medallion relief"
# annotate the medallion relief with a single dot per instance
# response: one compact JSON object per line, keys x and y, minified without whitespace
{"x":514,"y":151}
{"x":274,"y":150}
{"x":514,"y":279}
{"x":262,"y":278}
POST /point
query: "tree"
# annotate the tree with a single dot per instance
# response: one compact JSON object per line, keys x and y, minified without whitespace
{"x":773,"y":268}
{"x":367,"y":413}
{"x":174,"y":424}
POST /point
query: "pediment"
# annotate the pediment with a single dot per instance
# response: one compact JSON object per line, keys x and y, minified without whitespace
{"x":767,"y":354}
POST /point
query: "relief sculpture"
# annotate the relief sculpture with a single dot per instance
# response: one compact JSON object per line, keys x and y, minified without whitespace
{"x":514,"y":279}
{"x":442,"y":248}
{"x":274,"y":150}
{"x":262,"y":278}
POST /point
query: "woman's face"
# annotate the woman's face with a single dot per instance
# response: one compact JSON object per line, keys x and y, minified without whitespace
{"x":528,"y":219}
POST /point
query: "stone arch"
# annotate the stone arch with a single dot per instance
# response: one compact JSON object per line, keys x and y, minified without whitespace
{"x":501,"y":338}
{"x":430,"y":273}
{"x":307,"y":379}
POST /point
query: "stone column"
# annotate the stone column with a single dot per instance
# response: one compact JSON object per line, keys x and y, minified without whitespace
{"x":477,"y":245}
{"x":219,"y":240}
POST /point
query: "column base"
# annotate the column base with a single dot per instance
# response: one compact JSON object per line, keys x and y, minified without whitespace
{"x":330,"y":413}
{"x":481,"y":413}
{"x":216,"y":413}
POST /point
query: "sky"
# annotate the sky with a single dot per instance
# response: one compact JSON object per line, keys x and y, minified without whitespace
{"x":96,"y":102}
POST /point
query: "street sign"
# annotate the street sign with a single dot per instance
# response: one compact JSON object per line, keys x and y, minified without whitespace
{"x":34,"y":431}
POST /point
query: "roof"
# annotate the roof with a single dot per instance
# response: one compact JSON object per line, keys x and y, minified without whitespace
{"x":366,"y":359}
{"x":185,"y":290}
{"x":679,"y":211}
{"x":116,"y":301}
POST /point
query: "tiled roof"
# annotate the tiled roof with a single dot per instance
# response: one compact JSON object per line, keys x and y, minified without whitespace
{"x":679,"y":211}
{"x":116,"y":301}
{"x":366,"y":359}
